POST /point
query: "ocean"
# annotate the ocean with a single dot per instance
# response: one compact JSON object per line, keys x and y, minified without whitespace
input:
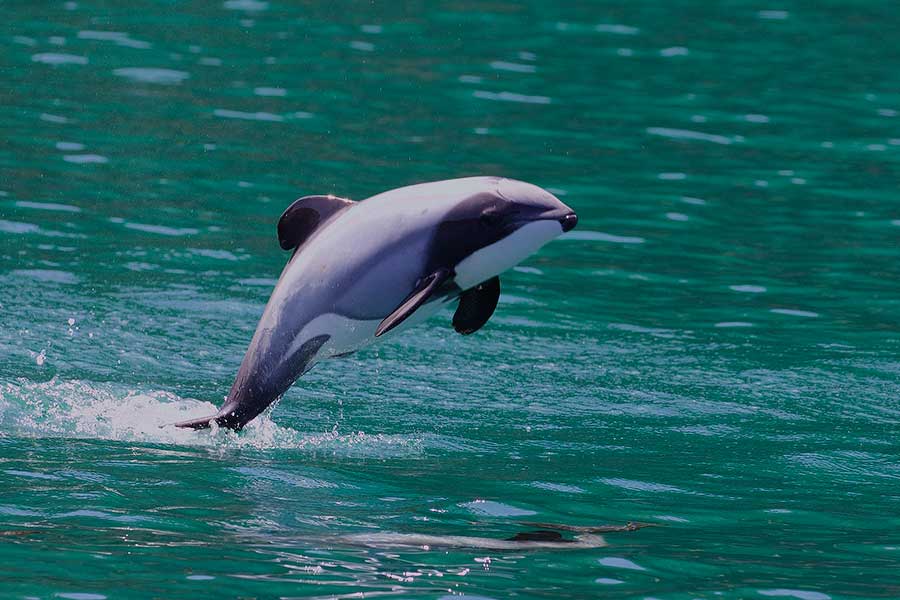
{"x":713,"y":351}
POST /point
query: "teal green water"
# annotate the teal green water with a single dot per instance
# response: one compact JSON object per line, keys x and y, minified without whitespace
{"x":714,"y":350}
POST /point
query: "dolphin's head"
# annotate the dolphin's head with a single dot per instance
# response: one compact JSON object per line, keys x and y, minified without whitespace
{"x":492,"y":230}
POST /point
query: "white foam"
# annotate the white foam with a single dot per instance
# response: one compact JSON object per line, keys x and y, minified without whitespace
{"x":496,"y":509}
{"x":88,"y":410}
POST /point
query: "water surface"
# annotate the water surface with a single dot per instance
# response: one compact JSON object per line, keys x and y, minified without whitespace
{"x":713,"y":350}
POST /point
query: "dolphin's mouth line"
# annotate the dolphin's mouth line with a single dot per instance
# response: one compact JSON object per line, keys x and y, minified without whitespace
{"x":566,"y":219}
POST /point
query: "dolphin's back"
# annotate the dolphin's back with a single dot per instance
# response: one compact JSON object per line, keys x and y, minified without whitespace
{"x":366,"y":261}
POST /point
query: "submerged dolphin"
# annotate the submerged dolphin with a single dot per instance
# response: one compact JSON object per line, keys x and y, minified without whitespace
{"x":547,"y":537}
{"x":361,"y":269}
{"x":532,"y":540}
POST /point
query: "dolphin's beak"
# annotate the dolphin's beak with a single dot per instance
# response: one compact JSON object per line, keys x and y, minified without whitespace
{"x":563,"y":215}
{"x":568,"y":222}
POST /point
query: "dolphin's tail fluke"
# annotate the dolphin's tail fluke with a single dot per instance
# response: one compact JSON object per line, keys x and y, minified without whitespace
{"x":228,"y":421}
{"x":201,"y":423}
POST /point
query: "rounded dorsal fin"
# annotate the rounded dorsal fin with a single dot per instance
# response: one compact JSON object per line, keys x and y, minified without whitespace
{"x":302,"y":217}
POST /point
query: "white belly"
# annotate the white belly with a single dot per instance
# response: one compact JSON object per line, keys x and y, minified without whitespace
{"x":348,"y":335}
{"x":507,"y":253}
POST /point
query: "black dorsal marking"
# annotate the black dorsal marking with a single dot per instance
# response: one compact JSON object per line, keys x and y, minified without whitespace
{"x":471,"y":225}
{"x":476,"y":305}
{"x":302,"y":217}
{"x":539,"y":535}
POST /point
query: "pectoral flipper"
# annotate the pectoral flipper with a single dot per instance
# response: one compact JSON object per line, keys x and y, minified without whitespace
{"x":476,"y":306}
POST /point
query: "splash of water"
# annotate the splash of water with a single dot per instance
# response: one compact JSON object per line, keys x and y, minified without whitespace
{"x":108,"y":411}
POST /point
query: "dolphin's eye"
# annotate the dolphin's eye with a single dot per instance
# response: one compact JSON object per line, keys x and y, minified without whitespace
{"x":490,"y":218}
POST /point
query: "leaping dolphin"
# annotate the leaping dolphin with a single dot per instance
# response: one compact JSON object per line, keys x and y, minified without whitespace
{"x":360,"y":270}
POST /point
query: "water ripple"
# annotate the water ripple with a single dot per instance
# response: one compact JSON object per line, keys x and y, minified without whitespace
{"x":260,"y":115}
{"x":246,"y":5}
{"x":47,"y":206}
{"x":162,"y":229}
{"x":48,"y":275}
{"x":687,"y":134}
{"x":57,"y":58}
{"x":117,"y":37}
{"x":85,"y":159}
{"x":511,"y":97}
{"x":153,"y":75}
{"x":500,"y":65}
{"x":599,"y":236}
